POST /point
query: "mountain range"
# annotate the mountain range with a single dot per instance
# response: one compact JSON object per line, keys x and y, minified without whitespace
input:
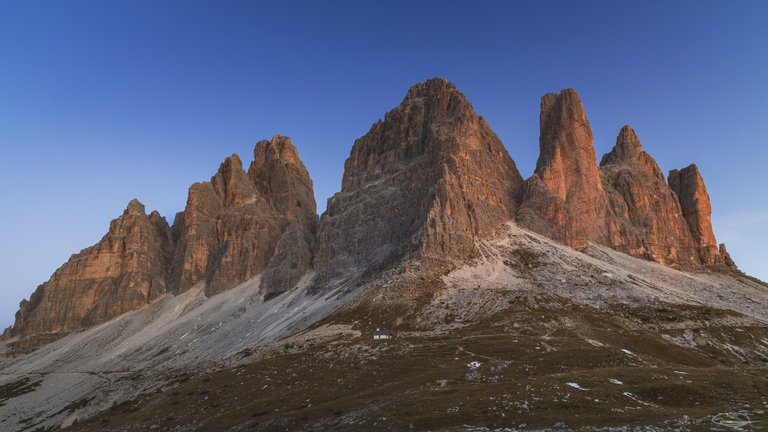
{"x":436,"y":236}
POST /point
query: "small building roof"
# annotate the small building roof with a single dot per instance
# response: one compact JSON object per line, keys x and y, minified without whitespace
{"x":381,"y":331}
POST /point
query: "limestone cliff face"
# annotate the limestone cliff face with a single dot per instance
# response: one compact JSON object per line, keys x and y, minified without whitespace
{"x":697,"y":211}
{"x":125,"y":270}
{"x":650,"y":219}
{"x":428,"y":180}
{"x":240,"y":224}
{"x":564,"y":199}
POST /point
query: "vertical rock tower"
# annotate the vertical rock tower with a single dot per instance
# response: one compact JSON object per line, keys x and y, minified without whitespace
{"x":564,"y":199}
{"x":697,"y":210}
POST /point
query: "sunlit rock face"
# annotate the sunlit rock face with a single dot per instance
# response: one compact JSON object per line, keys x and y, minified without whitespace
{"x":428,"y":180}
{"x":564,"y":199}
{"x":623,"y":203}
{"x":697,"y":210}
{"x":650,"y":219}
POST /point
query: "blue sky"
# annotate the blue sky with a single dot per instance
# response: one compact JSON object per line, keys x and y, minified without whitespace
{"x":101,"y":102}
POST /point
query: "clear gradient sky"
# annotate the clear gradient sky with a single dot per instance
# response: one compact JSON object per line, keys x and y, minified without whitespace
{"x":104,"y":101}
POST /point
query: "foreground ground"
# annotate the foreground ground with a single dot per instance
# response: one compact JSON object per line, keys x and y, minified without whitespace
{"x":527,"y":367}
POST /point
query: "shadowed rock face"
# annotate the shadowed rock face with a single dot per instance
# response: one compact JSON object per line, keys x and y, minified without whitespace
{"x":225,"y":233}
{"x":124,"y":271}
{"x":428,"y":180}
{"x":278,"y":172}
{"x":564,"y":198}
{"x":697,"y":210}
{"x":650,"y":220}
{"x":240,"y":224}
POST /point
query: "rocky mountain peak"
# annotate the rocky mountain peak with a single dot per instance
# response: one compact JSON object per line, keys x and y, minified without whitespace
{"x":628,"y":138}
{"x":689,"y":176}
{"x":278,"y":172}
{"x":231,"y":183}
{"x":125,"y":270}
{"x":627,"y":148}
{"x":441,"y":98}
{"x":648,"y":217}
{"x":561,"y":108}
{"x":135,"y":207}
{"x":428,"y":180}
{"x":430,"y":87}
{"x":279,"y":149}
{"x":689,"y":186}
{"x":155,"y":216}
{"x":233,"y":226}
{"x":628,"y":151}
{"x":567,"y":161}
{"x":564,"y":199}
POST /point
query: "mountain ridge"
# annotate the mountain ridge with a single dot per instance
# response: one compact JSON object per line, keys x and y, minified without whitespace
{"x":509,"y":308}
{"x":428,"y":180}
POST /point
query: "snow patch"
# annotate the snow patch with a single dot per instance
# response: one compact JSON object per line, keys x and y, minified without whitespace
{"x":634,"y":398}
{"x":576,"y":386}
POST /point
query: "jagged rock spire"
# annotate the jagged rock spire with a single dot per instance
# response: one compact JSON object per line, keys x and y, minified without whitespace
{"x":564,"y":199}
{"x":627,"y":148}
{"x":278,"y":172}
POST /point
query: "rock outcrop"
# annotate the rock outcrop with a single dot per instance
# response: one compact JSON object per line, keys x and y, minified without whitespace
{"x":124,"y":271}
{"x":650,"y":219}
{"x":697,"y":211}
{"x":564,"y":199}
{"x":240,"y":224}
{"x":428,"y":181}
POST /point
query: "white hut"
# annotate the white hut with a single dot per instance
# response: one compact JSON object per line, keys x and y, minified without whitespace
{"x":381,"y":333}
